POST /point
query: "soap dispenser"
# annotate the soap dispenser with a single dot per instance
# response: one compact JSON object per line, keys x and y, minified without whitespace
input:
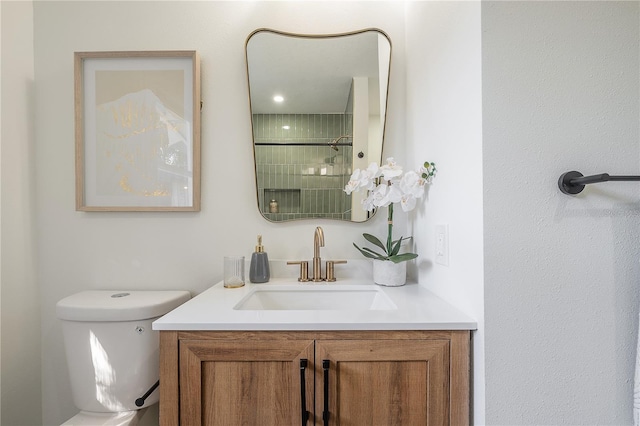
{"x":259,"y":267}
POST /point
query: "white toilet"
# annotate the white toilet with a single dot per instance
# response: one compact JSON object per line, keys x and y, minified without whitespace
{"x":112,"y":352}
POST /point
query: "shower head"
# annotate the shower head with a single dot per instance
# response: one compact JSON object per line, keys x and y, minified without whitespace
{"x":334,"y":143}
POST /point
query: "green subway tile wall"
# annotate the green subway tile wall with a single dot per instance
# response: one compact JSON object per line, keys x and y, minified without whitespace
{"x":304,"y":181}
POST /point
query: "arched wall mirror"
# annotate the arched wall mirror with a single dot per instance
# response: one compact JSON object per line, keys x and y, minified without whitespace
{"x":318,"y":110}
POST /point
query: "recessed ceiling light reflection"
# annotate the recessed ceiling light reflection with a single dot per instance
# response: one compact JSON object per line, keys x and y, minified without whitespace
{"x":278,"y":98}
{"x":286,"y":127}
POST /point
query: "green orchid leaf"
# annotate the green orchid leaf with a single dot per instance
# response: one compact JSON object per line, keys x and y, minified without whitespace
{"x":402,"y":257}
{"x":396,"y":247}
{"x":365,"y":253}
{"x":374,"y":240}
{"x":402,"y":239}
{"x":378,"y":255}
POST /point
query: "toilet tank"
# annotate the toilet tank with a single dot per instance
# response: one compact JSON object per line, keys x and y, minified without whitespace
{"x":112,"y":352}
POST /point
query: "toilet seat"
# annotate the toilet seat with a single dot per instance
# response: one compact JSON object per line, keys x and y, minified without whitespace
{"x":87,"y":418}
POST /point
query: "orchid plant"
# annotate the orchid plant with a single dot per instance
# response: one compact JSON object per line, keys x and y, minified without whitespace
{"x":387,"y":185}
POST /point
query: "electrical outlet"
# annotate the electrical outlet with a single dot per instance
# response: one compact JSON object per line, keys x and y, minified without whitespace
{"x":442,"y":245}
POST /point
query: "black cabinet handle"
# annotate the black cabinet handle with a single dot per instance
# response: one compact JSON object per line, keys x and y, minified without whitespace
{"x":303,"y":392}
{"x":325,"y":413}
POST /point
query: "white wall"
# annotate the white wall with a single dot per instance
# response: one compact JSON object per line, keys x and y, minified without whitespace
{"x":172,"y":250}
{"x":444,"y":125}
{"x":20,"y":307}
{"x":560,"y":92}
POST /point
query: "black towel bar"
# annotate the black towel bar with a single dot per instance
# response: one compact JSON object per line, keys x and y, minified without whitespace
{"x":574,"y":182}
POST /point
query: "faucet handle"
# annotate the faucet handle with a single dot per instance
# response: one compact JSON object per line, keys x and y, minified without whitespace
{"x":331,"y":276}
{"x":304,"y":270}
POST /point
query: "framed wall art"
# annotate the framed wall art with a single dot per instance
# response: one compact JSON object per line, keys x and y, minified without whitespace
{"x":137,"y":135}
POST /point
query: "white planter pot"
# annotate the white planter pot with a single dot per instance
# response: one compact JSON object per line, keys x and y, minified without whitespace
{"x":389,"y":274}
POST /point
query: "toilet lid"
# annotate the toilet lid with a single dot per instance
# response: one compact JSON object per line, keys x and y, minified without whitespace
{"x":125,"y":305}
{"x":86,"y":418}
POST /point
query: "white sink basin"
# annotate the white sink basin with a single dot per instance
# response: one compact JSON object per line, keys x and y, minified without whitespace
{"x":316,"y":297}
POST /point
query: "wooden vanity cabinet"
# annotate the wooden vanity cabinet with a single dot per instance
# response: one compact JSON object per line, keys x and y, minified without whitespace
{"x":340,"y":377}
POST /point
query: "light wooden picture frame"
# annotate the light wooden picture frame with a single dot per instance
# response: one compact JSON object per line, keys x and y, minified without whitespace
{"x":137,"y":133}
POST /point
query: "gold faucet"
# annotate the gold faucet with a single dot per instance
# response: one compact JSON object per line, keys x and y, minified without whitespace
{"x":318,"y":241}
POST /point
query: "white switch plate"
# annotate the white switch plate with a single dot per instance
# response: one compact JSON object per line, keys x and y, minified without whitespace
{"x":442,"y":245}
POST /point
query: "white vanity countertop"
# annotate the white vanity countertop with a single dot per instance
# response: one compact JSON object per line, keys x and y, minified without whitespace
{"x":417,"y":309}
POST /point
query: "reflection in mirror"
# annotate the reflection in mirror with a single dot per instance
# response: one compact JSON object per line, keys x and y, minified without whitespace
{"x":318,"y":108}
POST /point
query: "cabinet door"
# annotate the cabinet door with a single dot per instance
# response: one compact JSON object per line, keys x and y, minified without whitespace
{"x":382,"y":382}
{"x":245,"y":382}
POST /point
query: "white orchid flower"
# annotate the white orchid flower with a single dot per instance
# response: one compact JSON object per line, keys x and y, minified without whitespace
{"x":354,"y":182}
{"x":367,"y":203}
{"x":379,"y":196}
{"x":388,"y":185}
{"x":351,"y":186}
{"x":408,"y":202}
{"x":393,"y":194}
{"x":411,"y":183}
{"x":376,"y":198}
{"x":373,"y":170}
{"x":359,"y":179}
{"x":368,"y":178}
{"x":391,"y":169}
